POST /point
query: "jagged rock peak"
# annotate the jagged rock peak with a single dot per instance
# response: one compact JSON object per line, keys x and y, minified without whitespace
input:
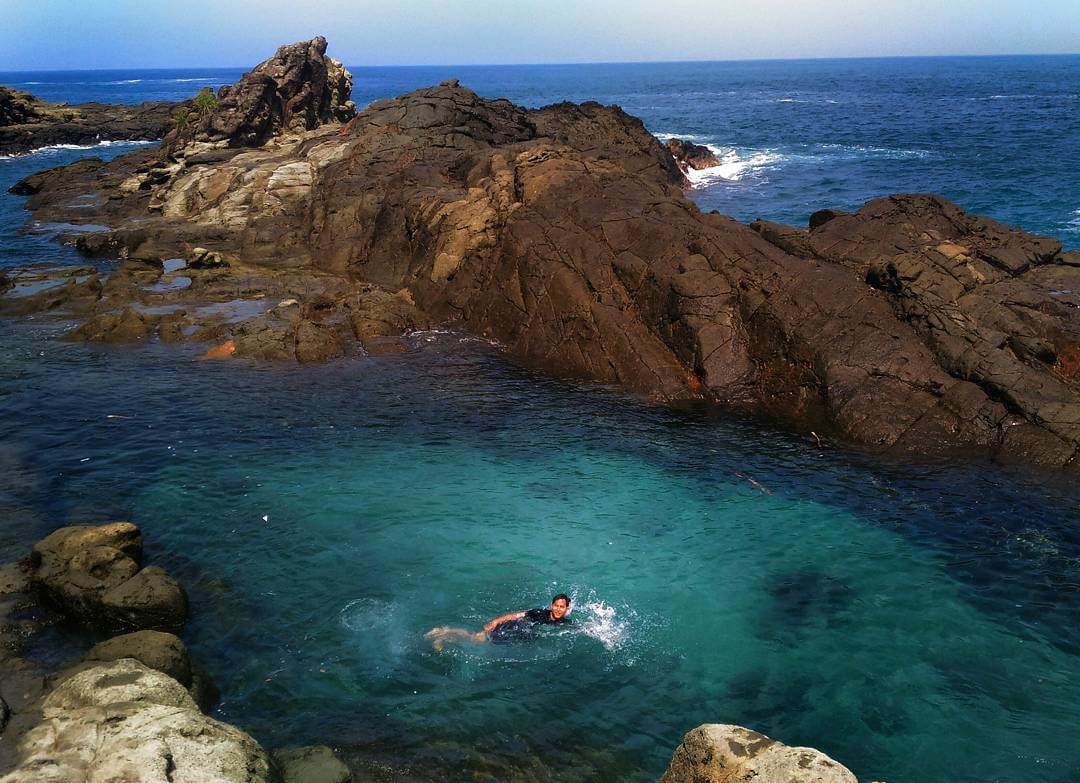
{"x":297,"y":89}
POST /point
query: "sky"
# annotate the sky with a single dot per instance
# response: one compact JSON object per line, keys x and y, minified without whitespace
{"x":73,"y":34}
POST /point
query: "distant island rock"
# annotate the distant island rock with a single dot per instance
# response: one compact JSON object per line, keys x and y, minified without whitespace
{"x":564,"y":233}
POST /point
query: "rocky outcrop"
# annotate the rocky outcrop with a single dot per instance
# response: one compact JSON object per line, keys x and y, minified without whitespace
{"x":690,"y":156}
{"x":158,"y":650}
{"x":720,"y":753}
{"x":124,"y":721}
{"x":93,"y":573}
{"x":27,"y":123}
{"x":296,"y":90}
{"x":563,"y":232}
{"x":997,"y":308}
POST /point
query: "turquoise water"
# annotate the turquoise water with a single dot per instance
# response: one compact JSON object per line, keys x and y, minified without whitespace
{"x":919,"y":622}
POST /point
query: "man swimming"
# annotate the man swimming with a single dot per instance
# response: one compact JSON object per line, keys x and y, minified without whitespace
{"x":513,"y":627}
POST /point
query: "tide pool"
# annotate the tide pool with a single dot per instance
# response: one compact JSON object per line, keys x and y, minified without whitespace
{"x":917,"y":620}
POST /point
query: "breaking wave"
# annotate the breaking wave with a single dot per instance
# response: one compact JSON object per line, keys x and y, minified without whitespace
{"x":60,"y":147}
{"x":735,"y":165}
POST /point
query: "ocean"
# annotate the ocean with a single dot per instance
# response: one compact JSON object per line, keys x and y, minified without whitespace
{"x":917,"y":620}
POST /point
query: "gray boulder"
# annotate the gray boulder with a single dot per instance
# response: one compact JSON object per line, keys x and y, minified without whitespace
{"x":163,"y":652}
{"x":93,"y":573}
{"x":122,"y":721}
{"x":316,"y":764}
{"x":721,"y":753}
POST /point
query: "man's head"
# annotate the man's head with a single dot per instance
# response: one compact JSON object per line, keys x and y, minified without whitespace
{"x":560,"y":605}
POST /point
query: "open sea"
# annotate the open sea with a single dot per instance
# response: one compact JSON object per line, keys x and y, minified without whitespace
{"x":919,"y":621}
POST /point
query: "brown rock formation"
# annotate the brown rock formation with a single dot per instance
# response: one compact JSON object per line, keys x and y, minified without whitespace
{"x":93,"y":573}
{"x":691,"y":156}
{"x":297,"y":89}
{"x":563,"y":232}
{"x":997,"y":308}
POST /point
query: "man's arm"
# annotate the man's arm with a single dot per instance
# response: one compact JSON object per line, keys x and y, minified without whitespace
{"x":493,"y":624}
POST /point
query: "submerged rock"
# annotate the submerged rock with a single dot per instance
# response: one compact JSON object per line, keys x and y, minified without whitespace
{"x":93,"y":574}
{"x":124,"y":721}
{"x":720,"y":753}
{"x":316,"y":764}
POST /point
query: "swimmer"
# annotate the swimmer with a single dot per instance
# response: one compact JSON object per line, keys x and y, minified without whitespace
{"x":513,"y":627}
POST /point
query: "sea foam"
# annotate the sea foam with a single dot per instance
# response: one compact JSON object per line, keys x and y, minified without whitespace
{"x":60,"y":147}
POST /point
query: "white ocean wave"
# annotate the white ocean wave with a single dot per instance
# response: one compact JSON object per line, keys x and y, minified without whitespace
{"x":665,"y":136}
{"x":197,"y":79}
{"x":735,"y":164}
{"x":1073,"y":226}
{"x":804,"y":100}
{"x":863,"y":150}
{"x":60,"y":147}
{"x":124,"y":81}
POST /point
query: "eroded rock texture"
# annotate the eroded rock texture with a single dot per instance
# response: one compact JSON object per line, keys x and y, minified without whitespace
{"x":297,"y":89}
{"x":719,"y":753}
{"x":124,"y":721}
{"x":93,"y":573}
{"x":564,"y":233}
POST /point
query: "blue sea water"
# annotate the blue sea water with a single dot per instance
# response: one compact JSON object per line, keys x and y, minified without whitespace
{"x":918,"y":621}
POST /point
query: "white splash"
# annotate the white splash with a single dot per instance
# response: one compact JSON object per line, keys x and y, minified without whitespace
{"x":735,"y":165}
{"x":665,"y":136}
{"x":59,"y":147}
{"x":1073,"y":226}
{"x":599,"y":621}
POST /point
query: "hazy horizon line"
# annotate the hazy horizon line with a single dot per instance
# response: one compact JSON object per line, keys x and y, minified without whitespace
{"x":572,"y":62}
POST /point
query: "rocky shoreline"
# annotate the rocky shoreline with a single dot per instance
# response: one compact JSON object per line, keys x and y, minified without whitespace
{"x":564,"y":233}
{"x":28,"y":123}
{"x":134,"y":706}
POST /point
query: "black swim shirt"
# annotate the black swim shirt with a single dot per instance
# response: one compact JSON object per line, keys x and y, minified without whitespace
{"x":542,"y":616}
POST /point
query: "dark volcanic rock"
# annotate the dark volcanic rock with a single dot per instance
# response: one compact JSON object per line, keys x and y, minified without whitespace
{"x":93,"y":573}
{"x":297,"y":89}
{"x":563,"y":232}
{"x":996,"y":307}
{"x":691,"y":156}
{"x":27,"y":123}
